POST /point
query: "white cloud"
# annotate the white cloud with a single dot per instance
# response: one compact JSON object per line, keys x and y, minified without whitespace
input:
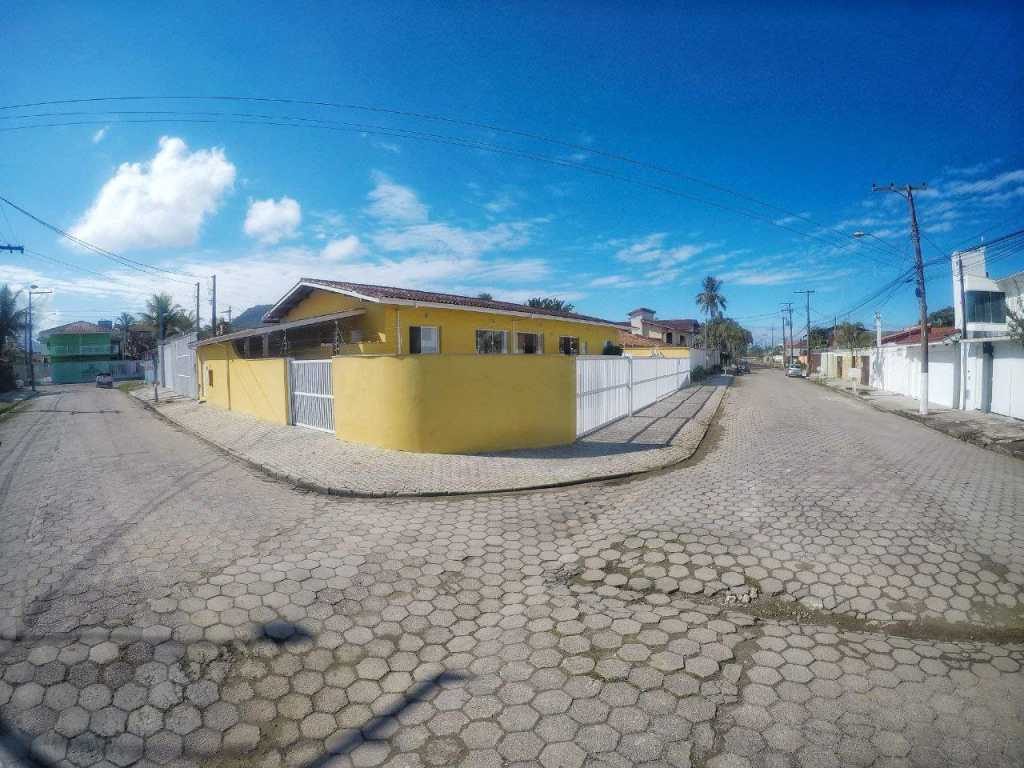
{"x":99,"y":135}
{"x":160,"y":203}
{"x":271,"y":221}
{"x":394,"y":203}
{"x":445,"y":238}
{"x":343,"y":249}
{"x":388,"y":146}
{"x":993,"y":184}
{"x":652,"y":250}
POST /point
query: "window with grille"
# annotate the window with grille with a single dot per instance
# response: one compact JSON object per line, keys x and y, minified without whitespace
{"x":569,"y":345}
{"x":491,"y":342}
{"x":529,"y":343}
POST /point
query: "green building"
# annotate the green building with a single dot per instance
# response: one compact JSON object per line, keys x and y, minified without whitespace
{"x":79,"y":351}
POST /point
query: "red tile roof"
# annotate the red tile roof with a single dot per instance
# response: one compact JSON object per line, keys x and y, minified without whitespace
{"x":912,"y":335}
{"x":627,"y":339}
{"x":676,"y":325}
{"x":384,"y":293}
{"x":79,"y":326}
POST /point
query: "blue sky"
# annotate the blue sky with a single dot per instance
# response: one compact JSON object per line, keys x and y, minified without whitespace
{"x":793,"y":105}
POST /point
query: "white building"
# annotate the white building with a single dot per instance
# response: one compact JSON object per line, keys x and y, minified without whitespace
{"x":679,"y":333}
{"x":977,"y":366}
{"x":990,"y":370}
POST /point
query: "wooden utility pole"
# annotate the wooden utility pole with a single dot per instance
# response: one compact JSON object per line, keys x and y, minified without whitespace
{"x":907,"y":192}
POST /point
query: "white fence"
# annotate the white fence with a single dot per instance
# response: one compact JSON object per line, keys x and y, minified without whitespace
{"x":178,"y":364}
{"x":608,"y":388}
{"x":311,"y":395}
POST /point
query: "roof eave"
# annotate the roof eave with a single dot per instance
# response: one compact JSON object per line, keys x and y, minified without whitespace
{"x":419,"y":303}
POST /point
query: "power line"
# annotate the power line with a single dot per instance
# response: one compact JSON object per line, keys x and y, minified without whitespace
{"x":122,"y":260}
{"x":837,"y":240}
{"x":490,"y":127}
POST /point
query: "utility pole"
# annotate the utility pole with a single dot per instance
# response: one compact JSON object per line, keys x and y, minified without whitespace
{"x":878,"y":350}
{"x":915,"y":235}
{"x":198,"y":316}
{"x":229,"y":314}
{"x":158,"y":356}
{"x":31,"y":363}
{"x":788,"y":310}
{"x":808,"y":329}
{"x":771,"y":352}
{"x":213,"y":302}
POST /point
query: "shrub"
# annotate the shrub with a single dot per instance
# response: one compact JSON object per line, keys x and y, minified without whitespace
{"x":698,"y":374}
{"x":611,"y":349}
{"x":7,"y":379}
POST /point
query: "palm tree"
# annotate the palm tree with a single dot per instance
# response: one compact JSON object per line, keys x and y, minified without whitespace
{"x":13,"y":321}
{"x":546,"y":302}
{"x":161,"y":305}
{"x":124,"y":324}
{"x":711,"y":301}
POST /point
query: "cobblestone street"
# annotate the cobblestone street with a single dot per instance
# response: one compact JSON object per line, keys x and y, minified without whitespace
{"x":821,"y":584}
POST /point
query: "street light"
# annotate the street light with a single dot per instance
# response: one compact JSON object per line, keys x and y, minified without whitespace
{"x":31,"y":363}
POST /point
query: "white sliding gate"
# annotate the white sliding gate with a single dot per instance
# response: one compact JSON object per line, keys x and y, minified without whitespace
{"x":178,"y":364}
{"x":310,"y":394}
{"x":608,"y":387}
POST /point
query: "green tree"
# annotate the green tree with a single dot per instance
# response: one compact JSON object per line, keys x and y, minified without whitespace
{"x":485,"y":296}
{"x":728,"y":337}
{"x":549,"y":302}
{"x":123,"y":325}
{"x":852,"y":336}
{"x":820,"y":336}
{"x":942,"y":317}
{"x":13,"y":320}
{"x":175,"y":319}
{"x":710,"y":301}
{"x":1015,"y":325}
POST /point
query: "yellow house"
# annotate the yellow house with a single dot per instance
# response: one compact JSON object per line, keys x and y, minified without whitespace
{"x":406,"y":369}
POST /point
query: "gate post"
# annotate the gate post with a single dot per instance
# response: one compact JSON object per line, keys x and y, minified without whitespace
{"x":288,"y":385}
{"x":629,"y":386}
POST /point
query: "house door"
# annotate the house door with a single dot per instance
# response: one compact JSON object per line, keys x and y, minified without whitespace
{"x":311,"y":394}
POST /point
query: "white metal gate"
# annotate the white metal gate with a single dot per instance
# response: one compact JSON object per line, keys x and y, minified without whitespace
{"x":310,"y":394}
{"x":608,"y":388}
{"x":178,"y":364}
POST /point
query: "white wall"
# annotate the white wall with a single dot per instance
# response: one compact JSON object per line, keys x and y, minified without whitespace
{"x":900,"y":371}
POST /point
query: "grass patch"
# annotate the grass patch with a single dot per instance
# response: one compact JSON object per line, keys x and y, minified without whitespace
{"x":8,"y":409}
{"x":130,"y":386}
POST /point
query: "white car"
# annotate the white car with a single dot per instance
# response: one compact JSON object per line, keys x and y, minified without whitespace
{"x":794,"y":369}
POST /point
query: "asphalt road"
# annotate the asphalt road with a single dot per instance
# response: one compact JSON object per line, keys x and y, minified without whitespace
{"x":161,"y":604}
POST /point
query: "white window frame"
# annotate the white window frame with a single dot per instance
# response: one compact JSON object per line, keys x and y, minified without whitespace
{"x":580,"y":347}
{"x":504,"y":341}
{"x":437,"y":340}
{"x":540,"y":343}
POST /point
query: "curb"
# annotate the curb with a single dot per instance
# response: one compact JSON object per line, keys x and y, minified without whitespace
{"x":969,"y":438}
{"x":704,"y":422}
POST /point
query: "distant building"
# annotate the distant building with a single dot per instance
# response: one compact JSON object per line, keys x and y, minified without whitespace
{"x":674,"y":333}
{"x":79,"y":351}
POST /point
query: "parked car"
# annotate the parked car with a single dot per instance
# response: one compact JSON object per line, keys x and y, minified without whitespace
{"x":744,"y":366}
{"x":795,"y":369}
{"x":105,"y":380}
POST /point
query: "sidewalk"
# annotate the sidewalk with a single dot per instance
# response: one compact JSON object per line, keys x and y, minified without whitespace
{"x":663,"y":434}
{"x":988,"y":430}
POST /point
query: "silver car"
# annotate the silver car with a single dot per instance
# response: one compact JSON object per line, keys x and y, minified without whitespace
{"x":794,"y":369}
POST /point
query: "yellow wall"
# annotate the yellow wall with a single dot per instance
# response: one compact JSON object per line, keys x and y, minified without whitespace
{"x":455,"y":403}
{"x":256,"y":387}
{"x":458,"y":327}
